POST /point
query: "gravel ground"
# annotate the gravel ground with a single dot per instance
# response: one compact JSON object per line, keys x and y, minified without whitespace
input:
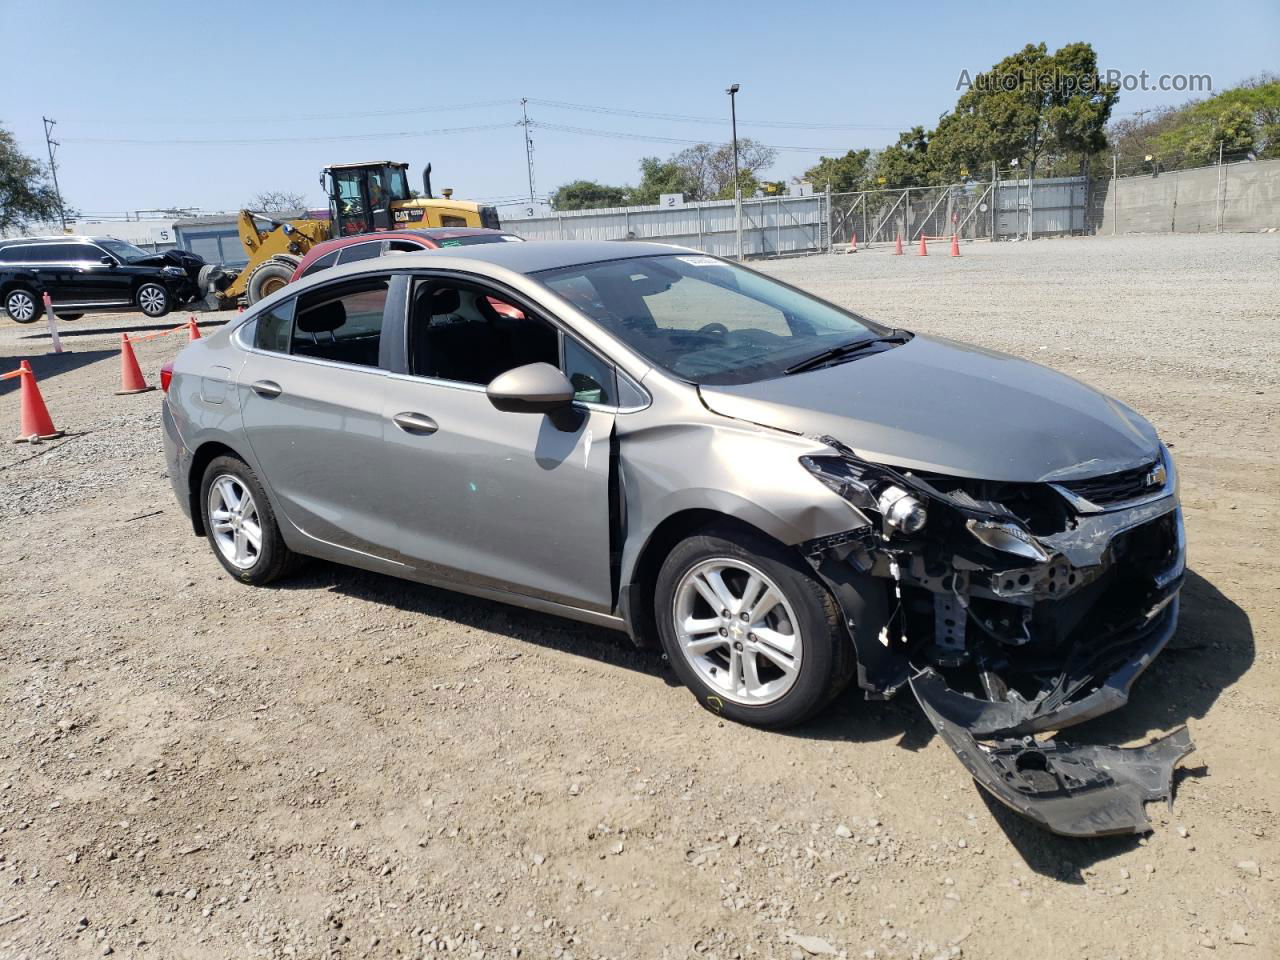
{"x":353,"y":766}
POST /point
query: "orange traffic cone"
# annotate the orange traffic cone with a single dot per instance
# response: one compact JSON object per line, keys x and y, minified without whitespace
{"x":130,"y":373}
{"x":897,"y":247}
{"x":955,"y":246}
{"x":36,"y":424}
{"x":924,"y":250}
{"x":193,"y":332}
{"x":853,"y":247}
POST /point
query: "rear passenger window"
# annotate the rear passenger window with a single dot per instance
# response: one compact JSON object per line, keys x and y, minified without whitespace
{"x":360,"y":251}
{"x":324,"y":263}
{"x":273,"y":328}
{"x":341,"y":323}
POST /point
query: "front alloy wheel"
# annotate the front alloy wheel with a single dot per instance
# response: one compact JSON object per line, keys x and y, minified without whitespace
{"x":749,"y":629}
{"x":738,"y":631}
{"x":153,"y":300}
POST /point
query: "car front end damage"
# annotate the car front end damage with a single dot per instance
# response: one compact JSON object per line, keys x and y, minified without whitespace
{"x":1011,"y":609}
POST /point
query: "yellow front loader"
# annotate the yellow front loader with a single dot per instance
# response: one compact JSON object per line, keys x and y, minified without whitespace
{"x":363,"y":198}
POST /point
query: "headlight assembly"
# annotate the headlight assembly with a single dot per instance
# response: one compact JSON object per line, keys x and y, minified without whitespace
{"x":1007,"y":538}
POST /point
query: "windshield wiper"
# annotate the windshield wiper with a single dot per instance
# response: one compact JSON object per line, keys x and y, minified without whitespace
{"x":845,"y":350}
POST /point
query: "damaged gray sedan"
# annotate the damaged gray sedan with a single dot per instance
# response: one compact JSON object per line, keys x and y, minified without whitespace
{"x":784,"y":496}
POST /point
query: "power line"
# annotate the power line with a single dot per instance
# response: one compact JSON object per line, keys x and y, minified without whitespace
{"x":685,"y":118}
{"x":250,"y":141}
{"x":277,"y":119}
{"x":618,"y":135}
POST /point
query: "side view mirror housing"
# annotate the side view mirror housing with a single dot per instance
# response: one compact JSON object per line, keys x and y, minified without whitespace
{"x":533,"y":388}
{"x":109,"y":260}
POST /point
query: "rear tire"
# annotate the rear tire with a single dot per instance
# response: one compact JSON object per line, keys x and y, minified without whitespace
{"x":800,"y":655}
{"x":267,"y":278}
{"x":23,"y":306}
{"x":235,"y":508}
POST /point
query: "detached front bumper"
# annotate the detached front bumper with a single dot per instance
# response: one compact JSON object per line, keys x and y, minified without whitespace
{"x":1080,"y":791}
{"x":1075,"y":791}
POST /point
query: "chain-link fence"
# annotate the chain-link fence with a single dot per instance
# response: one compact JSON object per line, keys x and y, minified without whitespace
{"x":1002,"y":208}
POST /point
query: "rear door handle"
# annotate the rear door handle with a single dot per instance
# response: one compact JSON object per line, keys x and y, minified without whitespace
{"x":418,"y":423}
{"x":265,"y":388}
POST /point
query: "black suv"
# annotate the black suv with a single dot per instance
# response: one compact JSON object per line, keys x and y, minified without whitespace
{"x":83,"y":274}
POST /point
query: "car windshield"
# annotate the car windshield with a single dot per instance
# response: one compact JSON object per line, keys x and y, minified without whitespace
{"x":122,"y":251}
{"x":469,"y":239}
{"x":705,"y":320}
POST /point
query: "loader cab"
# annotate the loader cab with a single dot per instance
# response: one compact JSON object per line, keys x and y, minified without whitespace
{"x":362,"y":195}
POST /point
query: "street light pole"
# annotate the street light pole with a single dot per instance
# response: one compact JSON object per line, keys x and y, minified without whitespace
{"x":737,"y":183}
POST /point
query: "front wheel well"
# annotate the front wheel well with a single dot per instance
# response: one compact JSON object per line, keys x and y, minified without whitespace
{"x":201,"y":459}
{"x":644,"y":577}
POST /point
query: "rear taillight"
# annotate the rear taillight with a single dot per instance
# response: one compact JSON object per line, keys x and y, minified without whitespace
{"x":166,"y":375}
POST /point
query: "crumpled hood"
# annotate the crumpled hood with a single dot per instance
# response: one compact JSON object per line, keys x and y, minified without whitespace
{"x":945,"y":407}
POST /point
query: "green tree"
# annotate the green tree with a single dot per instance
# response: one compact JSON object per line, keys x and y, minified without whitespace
{"x":26,"y":194}
{"x":662,"y":176}
{"x":710,"y":168}
{"x":1032,"y":107}
{"x":587,"y":195}
{"x":842,"y":174}
{"x":908,"y":163}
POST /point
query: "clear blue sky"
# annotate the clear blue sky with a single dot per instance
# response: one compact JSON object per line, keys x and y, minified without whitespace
{"x":291,"y":71}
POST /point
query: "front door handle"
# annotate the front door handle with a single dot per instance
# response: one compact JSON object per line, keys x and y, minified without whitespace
{"x":265,"y":388}
{"x":418,"y":423}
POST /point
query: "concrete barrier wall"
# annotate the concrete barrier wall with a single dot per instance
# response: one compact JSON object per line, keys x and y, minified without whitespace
{"x":1234,"y":197}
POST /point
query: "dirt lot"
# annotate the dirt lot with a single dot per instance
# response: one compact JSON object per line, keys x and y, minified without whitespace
{"x":354,"y":766}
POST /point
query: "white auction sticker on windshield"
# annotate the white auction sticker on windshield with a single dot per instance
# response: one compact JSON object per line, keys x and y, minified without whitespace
{"x":702,"y":261}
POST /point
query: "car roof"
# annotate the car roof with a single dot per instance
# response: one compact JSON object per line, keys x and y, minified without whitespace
{"x":78,"y":238}
{"x":543,"y":254}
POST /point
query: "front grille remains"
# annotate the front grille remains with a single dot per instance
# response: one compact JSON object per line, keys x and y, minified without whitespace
{"x":1115,"y":487}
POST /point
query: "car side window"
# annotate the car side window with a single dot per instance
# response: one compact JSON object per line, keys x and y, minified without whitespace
{"x":360,"y":251}
{"x":404,"y":246}
{"x":594,"y":380}
{"x":341,"y":323}
{"x":466,"y":334}
{"x":323,"y":263}
{"x":273,"y":328}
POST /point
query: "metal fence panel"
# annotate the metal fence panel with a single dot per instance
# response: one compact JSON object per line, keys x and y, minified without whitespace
{"x":771,"y":226}
{"x":777,"y":226}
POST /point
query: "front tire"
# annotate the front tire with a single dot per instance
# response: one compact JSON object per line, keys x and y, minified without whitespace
{"x":153,"y":300}
{"x":753,"y":635}
{"x":23,"y":306}
{"x":267,"y":278}
{"x":240,"y":524}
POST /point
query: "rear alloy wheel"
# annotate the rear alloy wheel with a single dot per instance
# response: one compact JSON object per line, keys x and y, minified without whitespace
{"x":22,"y":306}
{"x":749,"y":630}
{"x":153,"y":300}
{"x":240,"y":524}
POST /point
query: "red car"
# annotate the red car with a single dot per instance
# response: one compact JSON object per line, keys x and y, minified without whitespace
{"x":365,"y":246}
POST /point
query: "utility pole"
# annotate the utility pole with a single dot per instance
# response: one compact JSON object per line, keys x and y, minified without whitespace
{"x":737,"y":182}
{"x":50,"y":143}
{"x":1115,"y":191}
{"x":528,"y":143}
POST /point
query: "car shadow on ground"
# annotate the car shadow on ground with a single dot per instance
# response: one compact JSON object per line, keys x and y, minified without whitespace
{"x":50,"y":365}
{"x":70,"y":333}
{"x":607,"y":646}
{"x":1211,"y":650}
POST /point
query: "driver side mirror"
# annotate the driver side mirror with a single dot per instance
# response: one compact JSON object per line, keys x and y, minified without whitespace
{"x":533,"y":388}
{"x":109,"y":260}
